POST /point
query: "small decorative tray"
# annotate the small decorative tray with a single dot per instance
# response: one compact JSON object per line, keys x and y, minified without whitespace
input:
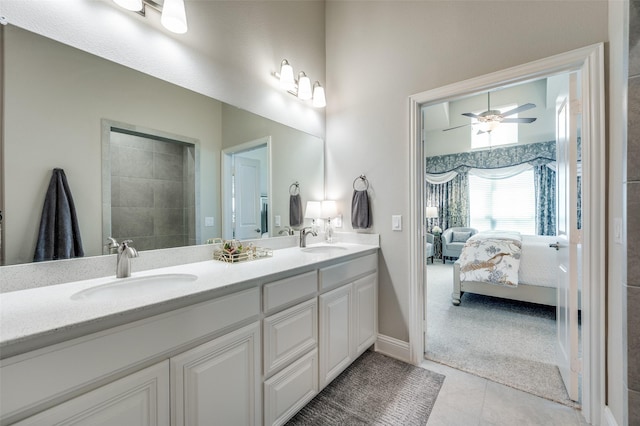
{"x":233,"y":251}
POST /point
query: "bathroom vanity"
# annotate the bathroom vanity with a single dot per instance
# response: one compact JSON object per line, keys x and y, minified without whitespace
{"x":242,"y":344}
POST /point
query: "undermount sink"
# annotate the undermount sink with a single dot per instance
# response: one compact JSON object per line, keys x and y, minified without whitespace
{"x":134,"y":286}
{"x":323,"y":249}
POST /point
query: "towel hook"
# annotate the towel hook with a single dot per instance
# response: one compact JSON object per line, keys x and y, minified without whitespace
{"x":364,"y":180}
{"x":294,"y":189}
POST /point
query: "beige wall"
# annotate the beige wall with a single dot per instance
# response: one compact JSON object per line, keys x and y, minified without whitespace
{"x":229,"y":52}
{"x":371,"y":74}
{"x":55,"y":99}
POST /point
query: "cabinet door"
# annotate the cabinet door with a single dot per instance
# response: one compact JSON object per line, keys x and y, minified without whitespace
{"x":141,"y":398}
{"x":335,"y":333}
{"x":365,"y":301}
{"x":218,"y":383}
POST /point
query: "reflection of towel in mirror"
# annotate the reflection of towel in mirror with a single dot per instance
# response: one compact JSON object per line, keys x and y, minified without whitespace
{"x":295,"y":210}
{"x":59,"y":234}
{"x":360,"y":210}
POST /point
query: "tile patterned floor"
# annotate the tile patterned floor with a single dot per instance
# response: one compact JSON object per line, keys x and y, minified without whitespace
{"x":468,"y":400}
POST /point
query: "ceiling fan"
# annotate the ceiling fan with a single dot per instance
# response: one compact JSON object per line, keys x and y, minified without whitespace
{"x":491,"y":118}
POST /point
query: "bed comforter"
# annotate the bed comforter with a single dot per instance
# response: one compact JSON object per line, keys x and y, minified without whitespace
{"x":492,"y":257}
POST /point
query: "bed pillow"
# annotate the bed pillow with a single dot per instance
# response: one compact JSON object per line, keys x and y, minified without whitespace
{"x":460,"y":237}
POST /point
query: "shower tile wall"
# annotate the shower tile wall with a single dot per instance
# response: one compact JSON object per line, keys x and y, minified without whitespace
{"x":633,"y":218}
{"x":152,"y":192}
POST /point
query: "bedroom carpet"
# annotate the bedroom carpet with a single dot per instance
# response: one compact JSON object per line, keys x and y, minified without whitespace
{"x":374,"y":390}
{"x":506,"y":341}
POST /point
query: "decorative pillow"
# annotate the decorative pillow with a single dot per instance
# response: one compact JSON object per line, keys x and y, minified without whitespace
{"x":460,"y":237}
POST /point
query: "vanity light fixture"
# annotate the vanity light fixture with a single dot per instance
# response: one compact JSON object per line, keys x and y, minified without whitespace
{"x":300,"y":87}
{"x":174,"y":15}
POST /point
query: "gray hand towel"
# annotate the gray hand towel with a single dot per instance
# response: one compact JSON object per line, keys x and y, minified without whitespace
{"x":59,"y":234}
{"x":296,"y":217}
{"x":360,"y":210}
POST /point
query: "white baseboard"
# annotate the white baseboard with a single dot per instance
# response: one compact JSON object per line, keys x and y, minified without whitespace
{"x":393,"y":347}
{"x":607,"y":417}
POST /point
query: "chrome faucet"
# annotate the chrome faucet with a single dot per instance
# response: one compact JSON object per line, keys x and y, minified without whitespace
{"x":303,"y":235}
{"x":286,"y":231}
{"x":125,"y":254}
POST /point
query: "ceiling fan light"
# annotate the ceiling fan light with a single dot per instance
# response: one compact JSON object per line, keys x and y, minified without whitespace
{"x":132,"y":5}
{"x":174,"y":16}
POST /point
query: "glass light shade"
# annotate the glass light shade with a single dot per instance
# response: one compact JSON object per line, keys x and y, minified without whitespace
{"x":489,"y":126}
{"x":432,"y":212}
{"x":174,"y":16}
{"x":132,"y":5}
{"x":329,"y":209}
{"x":313,"y":210}
{"x":287,"y":81}
{"x":304,"y":87}
{"x":319,"y":101}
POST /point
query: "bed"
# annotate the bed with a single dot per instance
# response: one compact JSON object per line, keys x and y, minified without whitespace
{"x":513,"y":266}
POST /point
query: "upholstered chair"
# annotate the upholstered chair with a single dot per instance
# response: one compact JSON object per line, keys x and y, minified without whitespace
{"x":453,"y":239}
{"x":429,"y":250}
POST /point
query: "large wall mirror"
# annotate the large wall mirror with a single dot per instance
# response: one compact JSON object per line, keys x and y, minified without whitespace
{"x":132,"y":146}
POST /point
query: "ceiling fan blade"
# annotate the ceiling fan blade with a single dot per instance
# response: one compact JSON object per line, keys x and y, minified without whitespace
{"x":518,"y":120}
{"x":457,"y":127}
{"x":521,"y":108}
{"x":470,"y":114}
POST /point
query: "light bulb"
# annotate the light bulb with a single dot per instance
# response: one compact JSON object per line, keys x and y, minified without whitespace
{"x":319,"y":100}
{"x":286,"y":76}
{"x":304,"y":86}
{"x":174,"y":16}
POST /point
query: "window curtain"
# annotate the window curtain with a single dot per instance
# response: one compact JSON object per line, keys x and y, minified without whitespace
{"x":545,"y":187}
{"x":452,"y":200}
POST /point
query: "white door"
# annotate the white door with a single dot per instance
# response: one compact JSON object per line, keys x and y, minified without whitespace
{"x":567,"y":110}
{"x":247,"y":198}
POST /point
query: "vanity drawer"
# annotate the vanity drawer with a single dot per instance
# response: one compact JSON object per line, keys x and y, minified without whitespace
{"x":346,"y":272}
{"x":291,"y":389}
{"x":282,"y":293}
{"x":289,"y":334}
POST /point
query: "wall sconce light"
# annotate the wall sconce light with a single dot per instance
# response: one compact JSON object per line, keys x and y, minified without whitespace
{"x":173,"y":18}
{"x":301,"y":88}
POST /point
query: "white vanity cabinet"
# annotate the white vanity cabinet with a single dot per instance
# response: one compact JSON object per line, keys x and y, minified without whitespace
{"x":140,"y":399}
{"x":348,"y":314}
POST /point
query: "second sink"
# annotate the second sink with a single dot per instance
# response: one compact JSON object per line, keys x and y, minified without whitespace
{"x":134,"y":286}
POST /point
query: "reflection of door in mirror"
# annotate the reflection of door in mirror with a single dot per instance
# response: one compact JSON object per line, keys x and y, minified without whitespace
{"x":246,"y":181}
{"x":152,"y":189}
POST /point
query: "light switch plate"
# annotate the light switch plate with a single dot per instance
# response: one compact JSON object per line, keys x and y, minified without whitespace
{"x":337,"y":221}
{"x":396,"y":222}
{"x":278,"y":220}
{"x":617,"y":230}
{"x":208,"y":221}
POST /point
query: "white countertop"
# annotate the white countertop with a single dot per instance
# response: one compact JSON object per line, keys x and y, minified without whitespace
{"x":42,"y":316}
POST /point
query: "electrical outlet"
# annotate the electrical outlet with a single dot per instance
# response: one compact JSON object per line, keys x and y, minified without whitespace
{"x":617,"y":230}
{"x":337,"y":221}
{"x":208,"y":221}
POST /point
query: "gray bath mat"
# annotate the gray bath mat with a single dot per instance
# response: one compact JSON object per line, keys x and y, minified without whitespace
{"x":374,"y":390}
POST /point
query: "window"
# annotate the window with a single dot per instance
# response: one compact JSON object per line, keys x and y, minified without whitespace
{"x":504,"y":134}
{"x":503,"y":204}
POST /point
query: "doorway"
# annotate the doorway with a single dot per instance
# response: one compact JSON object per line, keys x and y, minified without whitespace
{"x":246,"y":190}
{"x":493,"y":180}
{"x":589,"y":61}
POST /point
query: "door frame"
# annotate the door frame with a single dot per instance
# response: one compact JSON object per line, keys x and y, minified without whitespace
{"x":590,"y":61}
{"x":225,"y":180}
